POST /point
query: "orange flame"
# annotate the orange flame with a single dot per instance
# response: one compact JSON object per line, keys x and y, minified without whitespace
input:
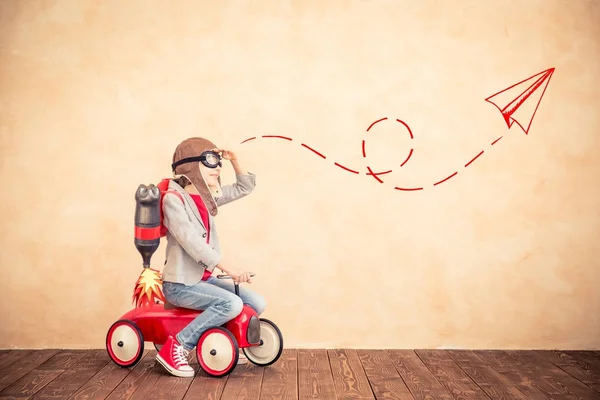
{"x":148,"y":288}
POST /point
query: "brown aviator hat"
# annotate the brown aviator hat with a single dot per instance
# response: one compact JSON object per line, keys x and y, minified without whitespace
{"x":186,"y":161}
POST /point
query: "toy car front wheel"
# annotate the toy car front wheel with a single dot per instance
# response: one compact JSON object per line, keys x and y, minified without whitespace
{"x":271,"y":345}
{"x":217,"y":352}
{"x":125,"y":343}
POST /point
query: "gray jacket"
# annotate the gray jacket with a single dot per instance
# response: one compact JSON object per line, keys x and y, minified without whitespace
{"x":187,"y":253}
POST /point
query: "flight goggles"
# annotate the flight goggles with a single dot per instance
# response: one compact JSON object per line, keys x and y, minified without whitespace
{"x":208,"y":158}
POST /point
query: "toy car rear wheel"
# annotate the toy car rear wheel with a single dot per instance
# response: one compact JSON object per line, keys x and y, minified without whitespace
{"x":125,"y":343}
{"x":217,"y":352}
{"x":271,"y":345}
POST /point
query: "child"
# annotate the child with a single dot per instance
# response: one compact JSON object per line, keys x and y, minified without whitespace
{"x":193,"y":249}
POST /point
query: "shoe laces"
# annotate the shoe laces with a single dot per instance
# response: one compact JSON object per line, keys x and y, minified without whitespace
{"x":180,"y":355}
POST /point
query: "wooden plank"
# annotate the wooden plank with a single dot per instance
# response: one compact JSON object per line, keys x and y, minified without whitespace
{"x":280,"y":380}
{"x":450,"y":375}
{"x":541,"y":378}
{"x":154,"y":381}
{"x":72,"y":379}
{"x":577,"y":368}
{"x":7,"y":354}
{"x":314,"y":375}
{"x":138,"y":377}
{"x":588,"y":357}
{"x":385,"y":381}
{"x":244,"y":383}
{"x":532,"y":376}
{"x":64,"y":360}
{"x":170,"y":387}
{"x":11,"y":358}
{"x":101,"y":384}
{"x":419,"y":379}
{"x":494,"y":384}
{"x":143,"y":386}
{"x":23,"y":366}
{"x":37,"y":379}
{"x":521,"y":374}
{"x":10,"y":397}
{"x":349,"y":378}
{"x":377,"y":364}
{"x":205,"y":387}
{"x":543,"y":371}
{"x":29,"y":385}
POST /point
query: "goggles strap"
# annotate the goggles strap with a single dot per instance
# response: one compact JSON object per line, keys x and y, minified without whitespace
{"x":201,"y":158}
{"x":186,"y":160}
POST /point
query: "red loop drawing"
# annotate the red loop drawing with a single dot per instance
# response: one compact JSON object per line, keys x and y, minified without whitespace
{"x":364,"y":151}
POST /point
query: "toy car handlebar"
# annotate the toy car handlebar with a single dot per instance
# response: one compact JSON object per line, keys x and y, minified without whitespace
{"x":251,"y":274}
{"x":235,"y":284}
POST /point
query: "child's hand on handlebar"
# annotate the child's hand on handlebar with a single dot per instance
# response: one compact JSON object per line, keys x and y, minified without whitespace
{"x":241,"y":277}
{"x":238,"y":277}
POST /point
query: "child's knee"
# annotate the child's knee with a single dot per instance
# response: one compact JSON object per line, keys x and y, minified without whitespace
{"x":259,"y":304}
{"x":232,"y":307}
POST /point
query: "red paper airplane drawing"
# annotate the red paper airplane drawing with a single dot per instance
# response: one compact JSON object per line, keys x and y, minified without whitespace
{"x":519,"y":102}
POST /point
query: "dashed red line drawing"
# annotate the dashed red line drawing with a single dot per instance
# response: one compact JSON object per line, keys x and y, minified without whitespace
{"x":407,"y":158}
{"x":474,"y":158}
{"x":407,"y":127}
{"x":313,"y":150}
{"x":516,"y":99}
{"x":374,"y":175}
{"x":347,"y":169}
{"x":445,"y":179}
{"x":377,"y":173}
{"x":276,"y":136}
{"x":408,"y":189}
{"x":513,"y":100}
{"x":379,"y":120}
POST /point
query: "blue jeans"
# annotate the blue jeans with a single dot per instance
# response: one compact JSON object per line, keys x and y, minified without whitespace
{"x":218,"y":300}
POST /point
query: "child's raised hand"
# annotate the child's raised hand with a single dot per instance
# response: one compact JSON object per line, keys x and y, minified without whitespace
{"x":226,"y":154}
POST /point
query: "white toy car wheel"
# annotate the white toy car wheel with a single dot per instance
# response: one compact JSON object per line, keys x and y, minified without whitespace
{"x":271,"y":345}
{"x":125,"y":343}
{"x":217,"y":352}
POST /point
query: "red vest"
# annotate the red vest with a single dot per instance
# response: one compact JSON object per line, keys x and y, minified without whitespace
{"x":204,"y":215}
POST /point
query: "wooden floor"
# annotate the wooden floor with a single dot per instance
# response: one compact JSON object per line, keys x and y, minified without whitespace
{"x":311,"y":374}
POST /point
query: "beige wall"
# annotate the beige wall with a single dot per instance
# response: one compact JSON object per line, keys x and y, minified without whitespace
{"x":95,"y":95}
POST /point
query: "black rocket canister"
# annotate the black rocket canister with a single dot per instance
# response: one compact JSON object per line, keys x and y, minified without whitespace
{"x":147,"y":221}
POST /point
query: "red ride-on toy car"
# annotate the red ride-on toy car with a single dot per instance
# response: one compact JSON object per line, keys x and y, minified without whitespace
{"x":218,"y":348}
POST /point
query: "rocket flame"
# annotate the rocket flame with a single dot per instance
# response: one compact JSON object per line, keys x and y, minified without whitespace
{"x":148,"y":288}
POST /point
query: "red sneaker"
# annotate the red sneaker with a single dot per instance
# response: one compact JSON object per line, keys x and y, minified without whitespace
{"x":174,"y":358}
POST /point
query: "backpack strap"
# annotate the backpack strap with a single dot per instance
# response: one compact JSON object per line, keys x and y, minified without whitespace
{"x":163,"y":186}
{"x":163,"y":228}
{"x":177,"y":194}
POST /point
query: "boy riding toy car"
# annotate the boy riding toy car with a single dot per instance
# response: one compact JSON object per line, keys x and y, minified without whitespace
{"x":153,"y":319}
